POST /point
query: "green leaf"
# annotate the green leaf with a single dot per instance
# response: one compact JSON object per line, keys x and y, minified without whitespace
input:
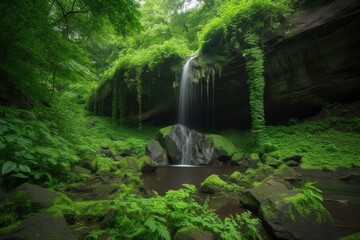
{"x":2,"y":146}
{"x":24,"y":168}
{"x":19,"y":175}
{"x":8,"y":166}
{"x":10,"y":138}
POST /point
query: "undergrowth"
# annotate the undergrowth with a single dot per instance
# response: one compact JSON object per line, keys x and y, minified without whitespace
{"x":330,"y":143}
{"x":161,"y":216}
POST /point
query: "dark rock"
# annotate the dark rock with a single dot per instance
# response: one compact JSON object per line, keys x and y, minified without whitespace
{"x":43,"y":226}
{"x":271,"y":161}
{"x":211,"y":150}
{"x":292,"y":163}
{"x":103,"y":192}
{"x":192,"y":234}
{"x":106,"y":152}
{"x":147,"y":165}
{"x":279,"y":208}
{"x":156,"y":152}
{"x":351,"y":178}
{"x":295,"y":158}
{"x":125,"y":153}
{"x":39,"y":195}
{"x":89,"y":164}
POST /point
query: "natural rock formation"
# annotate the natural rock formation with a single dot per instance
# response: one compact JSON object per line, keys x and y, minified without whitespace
{"x":154,"y":150}
{"x":211,"y":149}
{"x":290,"y":214}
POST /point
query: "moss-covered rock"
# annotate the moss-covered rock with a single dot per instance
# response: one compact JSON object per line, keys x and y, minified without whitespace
{"x":213,"y":184}
{"x":235,"y":176}
{"x":355,"y":236}
{"x":146,"y":164}
{"x":154,"y":150}
{"x":192,"y":233}
{"x":290,"y":214}
{"x":129,"y":163}
{"x":222,"y":144}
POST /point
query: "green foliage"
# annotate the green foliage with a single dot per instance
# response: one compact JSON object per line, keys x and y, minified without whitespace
{"x":160,"y":217}
{"x":43,"y":51}
{"x":315,"y":142}
{"x":32,"y":149}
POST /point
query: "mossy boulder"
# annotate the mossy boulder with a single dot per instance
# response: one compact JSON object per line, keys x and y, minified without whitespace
{"x":223,"y":148}
{"x":213,"y":184}
{"x":235,"y":176}
{"x":129,"y":163}
{"x":192,"y":233}
{"x":146,"y":164}
{"x":42,"y":197}
{"x":290,"y":214}
{"x":355,"y":236}
{"x":154,"y":150}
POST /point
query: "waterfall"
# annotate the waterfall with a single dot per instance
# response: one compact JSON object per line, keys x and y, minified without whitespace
{"x":184,"y":113}
{"x":185,"y":93}
{"x":196,"y":105}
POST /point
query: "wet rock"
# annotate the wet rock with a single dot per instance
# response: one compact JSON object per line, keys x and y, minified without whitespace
{"x":40,"y":196}
{"x":289,"y":213}
{"x":126,"y":152}
{"x":211,"y":150}
{"x":106,"y":152}
{"x":192,"y":234}
{"x":156,"y":152}
{"x":42,"y":226}
{"x":213,"y":184}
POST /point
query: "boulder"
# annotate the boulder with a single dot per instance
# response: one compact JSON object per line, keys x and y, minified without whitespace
{"x":213,"y":184}
{"x":40,"y":196}
{"x":80,"y":170}
{"x":147,"y":164}
{"x":106,"y":152}
{"x":42,"y":226}
{"x":191,"y":233}
{"x":126,"y":152}
{"x":130,"y":163}
{"x":198,"y":148}
{"x":290,"y":214}
{"x":156,"y":152}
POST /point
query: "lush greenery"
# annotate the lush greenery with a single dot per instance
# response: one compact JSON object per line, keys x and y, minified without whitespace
{"x":323,"y":144}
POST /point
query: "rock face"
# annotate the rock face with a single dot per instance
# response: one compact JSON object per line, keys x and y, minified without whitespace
{"x":211,"y":150}
{"x":313,"y":63}
{"x":289,"y":213}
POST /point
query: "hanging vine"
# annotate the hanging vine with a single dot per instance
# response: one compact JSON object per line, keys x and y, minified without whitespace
{"x":254,"y":58}
{"x":139,"y":92}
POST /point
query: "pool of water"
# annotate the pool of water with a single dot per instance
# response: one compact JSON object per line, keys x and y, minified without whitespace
{"x":346,"y":214}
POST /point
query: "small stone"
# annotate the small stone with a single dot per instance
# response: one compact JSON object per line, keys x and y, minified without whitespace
{"x":106,"y":152}
{"x":125,"y":153}
{"x":292,"y":163}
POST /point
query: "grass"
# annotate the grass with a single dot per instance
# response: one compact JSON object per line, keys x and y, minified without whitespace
{"x":330,"y":143}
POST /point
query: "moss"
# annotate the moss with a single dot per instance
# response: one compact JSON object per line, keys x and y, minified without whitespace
{"x":130,"y":163}
{"x":267,"y":211}
{"x":255,"y":156}
{"x":235,"y":176}
{"x":165,"y":131}
{"x":222,"y":143}
{"x":104,"y":164}
{"x":307,"y":207}
{"x":92,"y":210}
{"x":192,"y":233}
{"x":213,"y":184}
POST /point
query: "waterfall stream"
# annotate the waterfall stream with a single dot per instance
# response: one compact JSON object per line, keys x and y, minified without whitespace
{"x":196,"y":105}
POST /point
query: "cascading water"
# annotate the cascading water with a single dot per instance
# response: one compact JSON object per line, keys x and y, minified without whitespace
{"x":194,"y":105}
{"x":183,"y":116}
